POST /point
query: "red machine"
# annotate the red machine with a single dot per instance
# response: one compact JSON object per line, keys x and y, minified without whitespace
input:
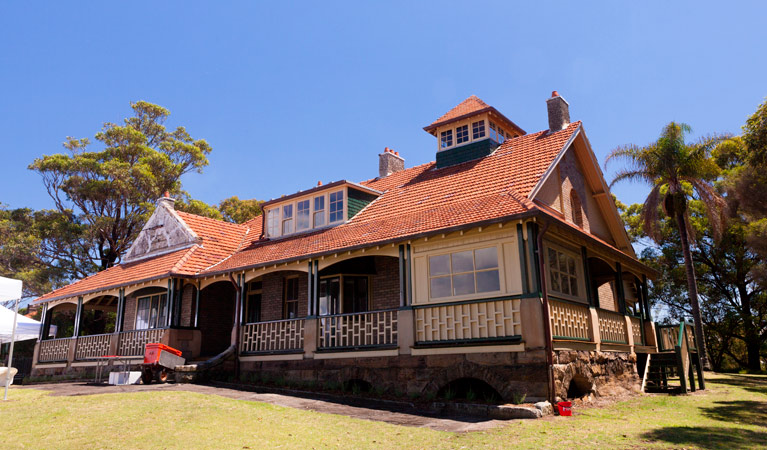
{"x":159,"y":361}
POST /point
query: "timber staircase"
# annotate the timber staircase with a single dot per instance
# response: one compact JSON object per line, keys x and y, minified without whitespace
{"x":674,"y":368}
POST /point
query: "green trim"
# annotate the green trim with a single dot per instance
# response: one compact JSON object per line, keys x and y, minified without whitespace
{"x":619,"y":286}
{"x":523,"y":260}
{"x":516,"y":339}
{"x":681,"y":334}
{"x":463,"y":153}
{"x":587,"y":275}
{"x":478,"y":300}
{"x":409,"y":270}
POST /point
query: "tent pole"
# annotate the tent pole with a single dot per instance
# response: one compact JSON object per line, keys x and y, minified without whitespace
{"x":10,"y":352}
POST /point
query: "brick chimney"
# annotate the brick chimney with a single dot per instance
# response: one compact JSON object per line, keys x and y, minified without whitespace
{"x":167,"y":200}
{"x":389,"y":162}
{"x":559,"y":112}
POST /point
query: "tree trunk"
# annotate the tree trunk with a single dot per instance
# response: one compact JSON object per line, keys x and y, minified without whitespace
{"x":751,"y":334}
{"x":692,"y":287}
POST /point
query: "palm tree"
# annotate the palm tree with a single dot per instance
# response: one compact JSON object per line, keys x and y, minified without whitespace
{"x":676,"y":170}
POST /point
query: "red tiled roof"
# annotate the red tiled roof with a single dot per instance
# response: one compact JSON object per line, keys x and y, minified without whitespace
{"x":471,"y":105}
{"x":415,"y":201}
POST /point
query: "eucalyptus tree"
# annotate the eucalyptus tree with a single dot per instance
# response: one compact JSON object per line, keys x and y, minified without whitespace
{"x":677,"y":171}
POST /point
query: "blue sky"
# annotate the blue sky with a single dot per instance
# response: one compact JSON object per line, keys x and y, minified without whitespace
{"x":291,"y":93}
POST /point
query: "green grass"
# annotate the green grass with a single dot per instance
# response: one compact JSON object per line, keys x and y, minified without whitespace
{"x":731,"y":414}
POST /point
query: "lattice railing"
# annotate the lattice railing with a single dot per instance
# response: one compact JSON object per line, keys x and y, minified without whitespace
{"x":274,"y":336}
{"x":636,"y":331}
{"x":89,"y":347}
{"x":54,"y":350}
{"x":612,"y":327}
{"x":132,"y":343}
{"x":465,"y":321}
{"x":368,"y":329}
{"x":570,"y":321}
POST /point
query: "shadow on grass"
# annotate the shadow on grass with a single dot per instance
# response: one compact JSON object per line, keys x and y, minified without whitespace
{"x":708,"y":437}
{"x":751,"y":383}
{"x":744,"y":411}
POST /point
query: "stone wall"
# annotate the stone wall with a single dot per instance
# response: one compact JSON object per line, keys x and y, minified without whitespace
{"x":580,"y":373}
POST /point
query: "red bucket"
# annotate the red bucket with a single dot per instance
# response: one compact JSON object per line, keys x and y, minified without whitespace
{"x":565,"y":408}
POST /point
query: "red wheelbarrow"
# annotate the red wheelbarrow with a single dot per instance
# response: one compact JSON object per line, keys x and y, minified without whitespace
{"x":159,"y":361}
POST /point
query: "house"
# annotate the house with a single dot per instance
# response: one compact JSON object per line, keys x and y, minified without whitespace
{"x":503,"y":263}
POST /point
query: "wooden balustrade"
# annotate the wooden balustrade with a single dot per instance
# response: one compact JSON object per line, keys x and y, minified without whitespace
{"x":53,"y":350}
{"x":90,"y":347}
{"x":636,"y":331}
{"x":668,"y":335}
{"x":494,"y":319}
{"x":570,"y":320}
{"x":690,"y":335}
{"x":132,"y":343}
{"x":273,"y":336}
{"x":612,"y":327}
{"x":367,"y":329}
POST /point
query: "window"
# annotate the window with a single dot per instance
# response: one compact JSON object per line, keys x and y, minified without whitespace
{"x":463,"y":273}
{"x":253,"y":303}
{"x":355,"y":294}
{"x":575,"y":207}
{"x":462,"y":134}
{"x":493,"y":132}
{"x":287,"y":219}
{"x":152,"y":312}
{"x":501,"y":136}
{"x":478,"y":129}
{"x":273,"y":222}
{"x":336,"y":206}
{"x":302,"y":215}
{"x":563,"y":273}
{"x":319,"y":211}
{"x":291,"y":298}
{"x":446,"y":139}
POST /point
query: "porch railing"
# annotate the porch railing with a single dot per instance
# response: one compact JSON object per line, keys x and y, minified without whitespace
{"x":612,"y":327}
{"x":570,"y":320}
{"x":636,"y":330}
{"x":667,"y":337}
{"x":132,"y":343}
{"x":89,"y":347}
{"x":488,"y":319}
{"x":367,"y":329}
{"x":53,"y":350}
{"x":273,"y":336}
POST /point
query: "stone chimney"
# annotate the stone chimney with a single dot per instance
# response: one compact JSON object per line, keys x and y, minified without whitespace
{"x":559,"y":112}
{"x":389,"y":162}
{"x":167,"y":200}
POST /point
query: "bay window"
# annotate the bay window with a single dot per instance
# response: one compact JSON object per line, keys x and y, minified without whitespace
{"x":464,"y":273}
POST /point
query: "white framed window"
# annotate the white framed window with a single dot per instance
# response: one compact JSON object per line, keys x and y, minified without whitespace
{"x":336,"y":206}
{"x":446,"y":139}
{"x":563,"y":271}
{"x":273,"y":222}
{"x":287,"y":219}
{"x":464,"y":273}
{"x":151,"y":312}
{"x":462,"y":134}
{"x":302,"y":215}
{"x":478,"y":129}
{"x":501,"y":136}
{"x":319,"y":211}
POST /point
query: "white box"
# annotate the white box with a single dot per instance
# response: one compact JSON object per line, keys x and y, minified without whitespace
{"x":119,"y":378}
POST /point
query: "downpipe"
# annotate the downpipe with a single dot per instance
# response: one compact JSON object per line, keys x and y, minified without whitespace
{"x":546,"y":315}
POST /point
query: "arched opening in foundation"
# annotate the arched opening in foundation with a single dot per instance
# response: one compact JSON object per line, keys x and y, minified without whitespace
{"x":357,"y":386}
{"x":579,"y":387}
{"x":469,"y":389}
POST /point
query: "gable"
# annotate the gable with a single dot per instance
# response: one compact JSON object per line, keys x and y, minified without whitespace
{"x":575,"y":187}
{"x":164,"y":232}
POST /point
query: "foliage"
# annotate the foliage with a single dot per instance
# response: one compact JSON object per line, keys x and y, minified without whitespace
{"x":109,"y":193}
{"x":239,"y":211}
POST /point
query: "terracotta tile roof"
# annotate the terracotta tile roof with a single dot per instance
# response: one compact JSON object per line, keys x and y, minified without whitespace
{"x":471,"y":105}
{"x":415,"y":201}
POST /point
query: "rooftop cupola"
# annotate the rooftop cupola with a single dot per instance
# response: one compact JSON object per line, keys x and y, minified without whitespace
{"x":471,"y":130}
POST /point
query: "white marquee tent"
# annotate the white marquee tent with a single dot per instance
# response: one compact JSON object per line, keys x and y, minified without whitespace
{"x":10,"y":290}
{"x":26,"y":328}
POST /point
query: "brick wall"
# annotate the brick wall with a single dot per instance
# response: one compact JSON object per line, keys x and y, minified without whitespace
{"x":572,"y":178}
{"x":216,"y":317}
{"x":384,"y":285}
{"x":188,"y":296}
{"x":272,"y":296}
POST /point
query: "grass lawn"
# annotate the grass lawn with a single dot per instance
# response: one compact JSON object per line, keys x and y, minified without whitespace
{"x":730,"y":414}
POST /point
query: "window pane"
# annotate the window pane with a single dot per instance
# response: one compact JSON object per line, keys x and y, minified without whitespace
{"x":564,"y":284}
{"x":142,"y":315}
{"x":287,"y":226}
{"x":153,"y":313}
{"x":555,"y":282}
{"x":273,"y":222}
{"x":319,"y":211}
{"x":463,"y":284}
{"x":440,"y":287}
{"x":562,"y":262}
{"x":336,"y":206}
{"x":571,"y":265}
{"x":302,"y":215}
{"x":163,"y":311}
{"x":478,"y":129}
{"x":462,"y":134}
{"x":446,"y":138}
{"x":287,"y":211}
{"x":488,"y":281}
{"x":574,"y":286}
{"x":552,"y":260}
{"x":486,"y":258}
{"x":463,"y":261}
{"x":439,"y":265}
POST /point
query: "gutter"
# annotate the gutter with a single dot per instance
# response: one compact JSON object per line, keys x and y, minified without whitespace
{"x":546,"y":316}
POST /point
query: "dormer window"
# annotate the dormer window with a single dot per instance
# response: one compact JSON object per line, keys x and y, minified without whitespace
{"x":302,"y":215}
{"x":319,"y":211}
{"x":462,"y":134}
{"x":446,"y":139}
{"x":273,"y":222}
{"x":287,"y":219}
{"x":493,"y":132}
{"x":478,"y":129}
{"x":336,"y":206}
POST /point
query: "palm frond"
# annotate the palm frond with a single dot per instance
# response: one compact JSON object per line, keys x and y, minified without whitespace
{"x":631,"y":175}
{"x":715,"y":206}
{"x":649,"y":216}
